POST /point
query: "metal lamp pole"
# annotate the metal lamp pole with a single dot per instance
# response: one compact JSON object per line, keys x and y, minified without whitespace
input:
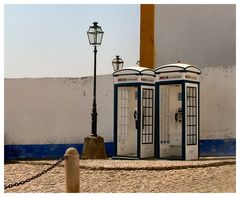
{"x":95,"y":35}
{"x":94,"y":106}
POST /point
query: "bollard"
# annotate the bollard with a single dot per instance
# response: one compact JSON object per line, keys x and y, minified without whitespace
{"x":72,"y":170}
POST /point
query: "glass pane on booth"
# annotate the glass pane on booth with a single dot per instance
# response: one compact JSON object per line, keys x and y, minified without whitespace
{"x":191,"y":123}
{"x":147,"y":122}
{"x":147,"y":116}
{"x":191,"y":116}
{"x":170,"y":118}
{"x":126,"y":130}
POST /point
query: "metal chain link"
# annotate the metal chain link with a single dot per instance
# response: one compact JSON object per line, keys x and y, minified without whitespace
{"x":36,"y":176}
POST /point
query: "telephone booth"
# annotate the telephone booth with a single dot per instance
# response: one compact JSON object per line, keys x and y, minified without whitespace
{"x":177,"y":111}
{"x":134,"y":93}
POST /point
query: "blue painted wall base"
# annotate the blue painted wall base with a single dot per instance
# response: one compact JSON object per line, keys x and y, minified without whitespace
{"x":216,"y":147}
{"x":223,"y":147}
{"x":45,"y":151}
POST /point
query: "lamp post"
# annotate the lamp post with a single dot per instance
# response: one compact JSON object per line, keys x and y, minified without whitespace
{"x":117,"y":63}
{"x":95,"y":35}
{"x":93,"y":147}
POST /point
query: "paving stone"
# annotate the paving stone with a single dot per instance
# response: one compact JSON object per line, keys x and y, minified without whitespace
{"x":127,"y":176}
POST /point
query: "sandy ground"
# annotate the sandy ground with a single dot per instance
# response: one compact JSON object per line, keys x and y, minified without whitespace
{"x":128,"y":176}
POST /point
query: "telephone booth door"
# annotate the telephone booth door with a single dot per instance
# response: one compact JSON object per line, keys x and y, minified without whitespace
{"x":127,"y":121}
{"x":170,"y":121}
{"x":177,"y":111}
{"x":134,"y":93}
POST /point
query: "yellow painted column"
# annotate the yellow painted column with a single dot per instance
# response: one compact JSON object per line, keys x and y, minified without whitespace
{"x":147,"y":49}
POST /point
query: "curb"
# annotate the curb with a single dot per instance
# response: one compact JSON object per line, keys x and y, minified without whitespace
{"x":159,"y":168}
{"x":130,"y":168}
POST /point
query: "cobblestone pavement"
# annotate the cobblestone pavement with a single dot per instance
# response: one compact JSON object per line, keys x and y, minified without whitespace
{"x":128,"y":176}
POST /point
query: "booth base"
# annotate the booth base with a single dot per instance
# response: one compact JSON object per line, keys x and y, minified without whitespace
{"x":94,"y":148}
{"x":171,"y":158}
{"x":124,"y":158}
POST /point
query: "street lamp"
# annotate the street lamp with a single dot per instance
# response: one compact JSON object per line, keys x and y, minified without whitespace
{"x":95,"y":35}
{"x":117,"y":63}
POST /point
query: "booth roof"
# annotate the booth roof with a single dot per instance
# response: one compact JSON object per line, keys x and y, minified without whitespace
{"x":178,"y":67}
{"x":134,"y":70}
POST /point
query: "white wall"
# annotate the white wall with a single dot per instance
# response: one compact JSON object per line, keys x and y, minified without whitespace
{"x":218,"y":102}
{"x":56,"y":110}
{"x":204,"y":35}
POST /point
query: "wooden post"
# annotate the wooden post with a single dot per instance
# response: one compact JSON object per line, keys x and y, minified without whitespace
{"x":72,"y":171}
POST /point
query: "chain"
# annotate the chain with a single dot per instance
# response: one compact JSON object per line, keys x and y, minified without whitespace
{"x":36,"y":176}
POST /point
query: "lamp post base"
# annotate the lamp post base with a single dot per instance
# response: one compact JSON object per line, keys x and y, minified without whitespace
{"x":93,"y":148}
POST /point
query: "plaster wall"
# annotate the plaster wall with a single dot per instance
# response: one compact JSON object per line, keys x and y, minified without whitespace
{"x":204,"y":35}
{"x":56,"y":110}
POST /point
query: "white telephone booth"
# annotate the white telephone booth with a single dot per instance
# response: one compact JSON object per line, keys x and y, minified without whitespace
{"x":134,"y":93}
{"x":177,"y":111}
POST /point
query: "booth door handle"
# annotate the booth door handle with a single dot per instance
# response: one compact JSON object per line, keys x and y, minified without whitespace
{"x":135,"y":115}
{"x":176,"y":117}
{"x":136,"y":119}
